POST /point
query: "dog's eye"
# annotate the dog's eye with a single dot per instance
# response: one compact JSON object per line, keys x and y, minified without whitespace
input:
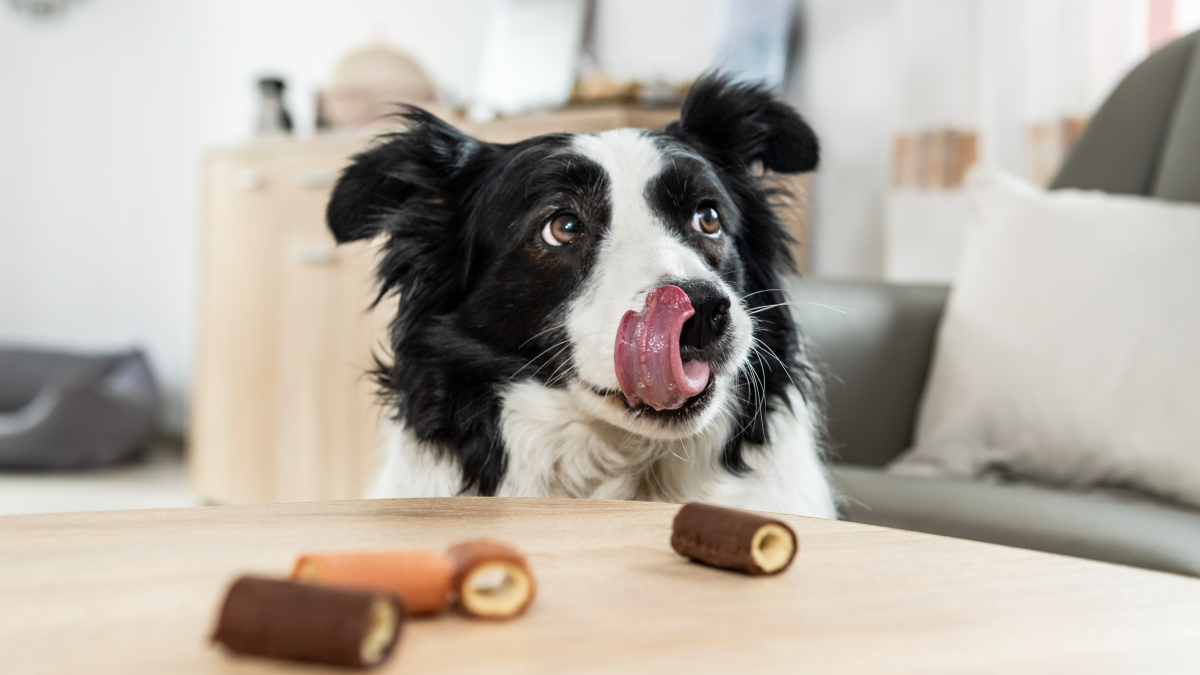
{"x":706,"y":221}
{"x":563,"y":229}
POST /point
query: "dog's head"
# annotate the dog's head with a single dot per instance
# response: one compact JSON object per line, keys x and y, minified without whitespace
{"x":637,"y":271}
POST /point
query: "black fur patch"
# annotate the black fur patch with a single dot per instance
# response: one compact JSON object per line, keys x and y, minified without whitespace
{"x":481,"y":295}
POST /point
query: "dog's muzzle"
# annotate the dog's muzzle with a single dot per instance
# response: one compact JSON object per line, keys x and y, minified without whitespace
{"x":659,"y":353}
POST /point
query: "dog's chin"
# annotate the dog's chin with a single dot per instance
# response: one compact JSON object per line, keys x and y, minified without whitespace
{"x":694,"y":415}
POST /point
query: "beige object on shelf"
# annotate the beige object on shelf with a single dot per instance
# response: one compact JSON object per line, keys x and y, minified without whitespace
{"x":936,"y":159}
{"x":368,"y":85}
{"x":1047,"y":145}
{"x":283,"y":406}
{"x":137,"y":592}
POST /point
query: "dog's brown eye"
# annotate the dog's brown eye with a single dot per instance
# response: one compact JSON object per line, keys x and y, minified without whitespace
{"x":564,"y":229}
{"x":707,"y":221}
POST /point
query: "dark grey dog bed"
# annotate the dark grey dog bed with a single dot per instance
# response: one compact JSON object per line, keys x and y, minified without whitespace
{"x":69,"y":411}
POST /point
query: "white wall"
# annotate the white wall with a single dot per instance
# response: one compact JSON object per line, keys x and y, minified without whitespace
{"x":849,"y":98}
{"x":673,"y":40}
{"x":103,"y":114}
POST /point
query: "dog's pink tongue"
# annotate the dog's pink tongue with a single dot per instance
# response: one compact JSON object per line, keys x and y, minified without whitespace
{"x":649,"y":367}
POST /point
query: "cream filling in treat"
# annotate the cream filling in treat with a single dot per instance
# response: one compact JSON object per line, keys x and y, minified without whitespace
{"x":379,"y":634}
{"x":772,"y":547}
{"x":497,"y":588}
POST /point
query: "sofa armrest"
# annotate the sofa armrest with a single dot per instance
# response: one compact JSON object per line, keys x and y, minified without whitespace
{"x":872,"y":342}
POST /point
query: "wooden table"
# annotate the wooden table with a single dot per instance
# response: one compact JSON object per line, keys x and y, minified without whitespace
{"x":136,"y":592}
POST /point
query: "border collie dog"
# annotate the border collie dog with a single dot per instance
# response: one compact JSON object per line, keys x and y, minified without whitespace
{"x":594,"y":315}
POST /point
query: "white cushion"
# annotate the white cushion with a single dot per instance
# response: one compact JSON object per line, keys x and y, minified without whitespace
{"x":1069,"y":352}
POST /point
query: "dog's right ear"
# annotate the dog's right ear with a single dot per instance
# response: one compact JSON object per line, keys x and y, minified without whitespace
{"x":400,"y":179}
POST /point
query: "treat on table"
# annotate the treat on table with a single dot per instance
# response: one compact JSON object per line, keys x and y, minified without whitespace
{"x":420,"y":578}
{"x":732,"y":539}
{"x":307,"y":622}
{"x":492,"y":580}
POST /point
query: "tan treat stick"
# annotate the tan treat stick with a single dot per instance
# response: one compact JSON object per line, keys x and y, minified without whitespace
{"x":420,"y":578}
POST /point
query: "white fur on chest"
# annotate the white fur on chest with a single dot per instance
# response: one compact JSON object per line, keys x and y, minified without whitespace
{"x":557,"y":450}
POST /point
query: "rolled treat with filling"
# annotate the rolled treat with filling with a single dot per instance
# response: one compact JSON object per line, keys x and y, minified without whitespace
{"x":420,"y":578}
{"x":732,"y":539}
{"x":492,"y":580}
{"x":306,"y":622}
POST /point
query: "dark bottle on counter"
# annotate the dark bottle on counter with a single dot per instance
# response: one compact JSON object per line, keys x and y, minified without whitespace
{"x":273,"y":117}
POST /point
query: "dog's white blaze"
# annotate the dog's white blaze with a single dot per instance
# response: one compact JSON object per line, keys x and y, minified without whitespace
{"x":573,"y":443}
{"x":637,"y":254}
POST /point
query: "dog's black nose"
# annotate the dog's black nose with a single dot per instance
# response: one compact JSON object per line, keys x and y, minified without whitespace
{"x":711,"y":319}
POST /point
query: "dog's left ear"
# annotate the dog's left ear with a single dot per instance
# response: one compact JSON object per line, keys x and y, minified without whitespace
{"x":391,"y":187}
{"x":409,"y":189}
{"x":738,"y":124}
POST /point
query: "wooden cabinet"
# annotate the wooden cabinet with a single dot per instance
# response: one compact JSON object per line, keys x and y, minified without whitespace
{"x":283,"y":407}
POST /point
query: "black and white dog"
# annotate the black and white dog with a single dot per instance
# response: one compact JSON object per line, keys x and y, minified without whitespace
{"x":594,"y":315}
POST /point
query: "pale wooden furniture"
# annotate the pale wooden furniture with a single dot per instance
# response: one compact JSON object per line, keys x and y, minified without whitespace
{"x":283,"y":409}
{"x":137,"y":591}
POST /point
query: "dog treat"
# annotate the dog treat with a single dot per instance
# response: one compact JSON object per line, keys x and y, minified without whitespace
{"x":420,"y":578}
{"x":732,"y":539}
{"x":492,"y":579}
{"x":306,"y":622}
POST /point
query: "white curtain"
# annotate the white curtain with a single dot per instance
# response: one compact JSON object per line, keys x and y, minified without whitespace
{"x":1007,"y":82}
{"x":1019,"y":78}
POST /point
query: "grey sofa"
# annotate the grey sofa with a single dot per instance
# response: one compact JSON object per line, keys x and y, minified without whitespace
{"x":874,"y":342}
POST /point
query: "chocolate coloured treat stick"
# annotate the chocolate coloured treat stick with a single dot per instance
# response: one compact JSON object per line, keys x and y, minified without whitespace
{"x":732,"y":539}
{"x":492,"y":579}
{"x":306,"y":622}
{"x":420,"y":578}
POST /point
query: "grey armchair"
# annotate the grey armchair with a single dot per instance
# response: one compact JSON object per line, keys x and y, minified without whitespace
{"x":874,"y":341}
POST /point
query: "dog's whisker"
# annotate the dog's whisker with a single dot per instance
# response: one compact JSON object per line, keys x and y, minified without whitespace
{"x":787,"y":371}
{"x":662,"y":490}
{"x":624,"y":443}
{"x":563,"y":344}
{"x":551,"y":380}
{"x":751,"y":379}
{"x":551,"y":359}
{"x":765,"y":290}
{"x":764,"y":308}
{"x":840,"y":310}
{"x":537,"y":335}
{"x":756,"y":348}
{"x":683,"y":447}
{"x":762,"y":349}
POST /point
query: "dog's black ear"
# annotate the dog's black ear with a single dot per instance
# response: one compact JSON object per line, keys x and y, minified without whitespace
{"x":738,"y":124}
{"x":424,"y":163}
{"x":411,"y":189}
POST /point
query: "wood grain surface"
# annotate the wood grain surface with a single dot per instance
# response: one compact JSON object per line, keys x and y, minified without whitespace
{"x":137,"y":591}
